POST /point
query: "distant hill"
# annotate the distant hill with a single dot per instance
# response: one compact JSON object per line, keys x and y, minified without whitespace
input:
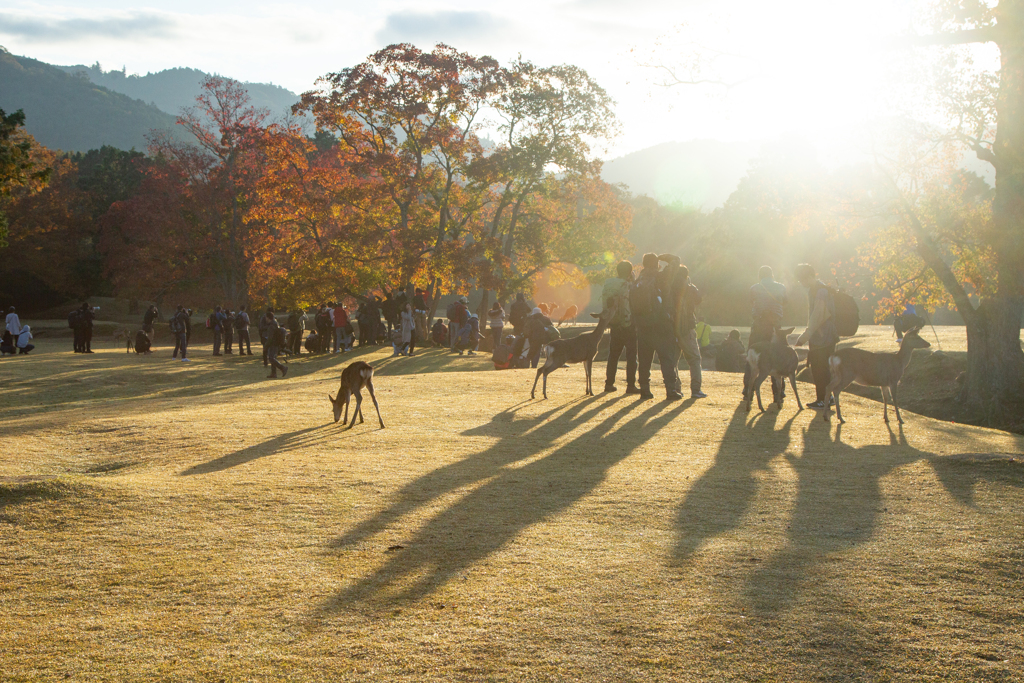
{"x":72,"y":114}
{"x":172,"y":90}
{"x":699,"y":174}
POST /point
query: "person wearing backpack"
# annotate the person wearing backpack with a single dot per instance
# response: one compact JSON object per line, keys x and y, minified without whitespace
{"x":276,"y":342}
{"x":623,"y":331}
{"x":242,"y":331}
{"x":767,"y":301}
{"x":821,"y":332}
{"x":180,"y":325}
{"x":686,"y":329}
{"x":651,"y":301}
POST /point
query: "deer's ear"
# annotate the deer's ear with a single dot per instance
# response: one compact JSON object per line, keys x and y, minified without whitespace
{"x":333,"y":400}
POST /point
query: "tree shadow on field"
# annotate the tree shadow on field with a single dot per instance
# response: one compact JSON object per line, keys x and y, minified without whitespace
{"x":719,"y":500}
{"x":302,"y":438}
{"x":513,"y":498}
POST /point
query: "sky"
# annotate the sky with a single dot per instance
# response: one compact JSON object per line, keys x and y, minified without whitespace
{"x":807,"y":66}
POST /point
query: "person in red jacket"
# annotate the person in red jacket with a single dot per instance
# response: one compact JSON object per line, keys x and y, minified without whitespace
{"x":340,"y":325}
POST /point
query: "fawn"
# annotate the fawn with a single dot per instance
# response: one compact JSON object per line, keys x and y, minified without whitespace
{"x":872,"y":370}
{"x":581,"y":349}
{"x":776,"y":359}
{"x":353,"y":379}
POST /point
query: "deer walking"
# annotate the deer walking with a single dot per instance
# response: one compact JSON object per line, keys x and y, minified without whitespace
{"x":353,"y":379}
{"x":882,"y":370}
{"x":581,"y":349}
{"x":570,"y":314}
{"x":776,"y":359}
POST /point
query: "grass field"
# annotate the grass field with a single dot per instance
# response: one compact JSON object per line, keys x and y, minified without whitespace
{"x":167,"y":521}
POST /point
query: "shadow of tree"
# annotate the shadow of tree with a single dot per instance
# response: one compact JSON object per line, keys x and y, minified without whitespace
{"x":512,"y":499}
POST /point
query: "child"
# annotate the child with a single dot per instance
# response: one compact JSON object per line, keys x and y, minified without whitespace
{"x":23,"y":340}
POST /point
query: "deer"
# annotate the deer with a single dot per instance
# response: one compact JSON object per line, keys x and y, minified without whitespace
{"x":580,"y":349}
{"x":570,"y":314}
{"x":776,"y":359}
{"x":124,"y":334}
{"x":871,"y":369}
{"x":353,"y":379}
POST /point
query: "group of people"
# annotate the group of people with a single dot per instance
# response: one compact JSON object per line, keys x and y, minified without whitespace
{"x":17,"y":338}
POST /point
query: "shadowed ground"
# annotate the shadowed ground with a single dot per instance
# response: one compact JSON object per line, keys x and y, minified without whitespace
{"x":174,"y":522}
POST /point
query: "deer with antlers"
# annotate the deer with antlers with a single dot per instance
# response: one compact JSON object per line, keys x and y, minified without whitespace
{"x":581,"y":349}
{"x":353,"y":379}
{"x":870,"y":369}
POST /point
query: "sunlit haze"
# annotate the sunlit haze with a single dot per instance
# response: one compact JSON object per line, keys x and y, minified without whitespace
{"x":806,"y":66}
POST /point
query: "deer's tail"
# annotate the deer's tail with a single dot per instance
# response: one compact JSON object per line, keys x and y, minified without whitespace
{"x":367,"y":373}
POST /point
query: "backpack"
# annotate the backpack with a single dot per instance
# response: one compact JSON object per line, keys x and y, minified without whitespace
{"x":644,"y":300}
{"x":551,"y":334}
{"x":502,"y":357}
{"x":73,"y":319}
{"x":847,"y":313}
{"x":209,"y":322}
{"x":280,"y":338}
{"x":240,"y":321}
{"x":450,"y":311}
{"x":176,"y":327}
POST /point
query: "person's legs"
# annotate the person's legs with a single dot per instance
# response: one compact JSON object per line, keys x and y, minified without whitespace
{"x":275,"y":365}
{"x":631,"y":363}
{"x":615,"y":345}
{"x":668,"y":358}
{"x":645,"y":357}
{"x":243,"y":335}
{"x":535,"y":347}
{"x":691,"y":352}
{"x":87,"y":341}
{"x":177,"y":345}
{"x":820,"y":371}
{"x":412,"y":342}
{"x":229,"y":336}
{"x":496,"y":336}
{"x":216,"y":342}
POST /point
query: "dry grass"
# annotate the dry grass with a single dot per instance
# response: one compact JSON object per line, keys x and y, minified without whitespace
{"x":168,"y":522}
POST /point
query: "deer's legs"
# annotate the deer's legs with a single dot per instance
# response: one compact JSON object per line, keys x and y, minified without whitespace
{"x":356,"y":411}
{"x":587,"y":367}
{"x":885,"y":404}
{"x":533,"y":391}
{"x":895,"y":404}
{"x":347,"y":399}
{"x":373,"y":397}
{"x":757,"y":389}
{"x":792,"y":383}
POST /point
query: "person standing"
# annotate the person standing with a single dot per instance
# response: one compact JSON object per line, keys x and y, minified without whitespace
{"x":651,"y":305}
{"x":85,"y":319}
{"x":324,"y":328}
{"x":180,"y":325}
{"x":229,"y":330}
{"x":242,"y":328}
{"x":264,"y":330}
{"x":296,"y":326}
{"x":686,"y":331}
{"x":217,"y":323}
{"x":419,"y":308}
{"x":276,"y":340}
{"x":496,"y":321}
{"x":457,"y":319}
{"x":340,"y":323}
{"x":518,"y":313}
{"x":408,"y":323}
{"x":13,"y":322}
{"x":767,"y":302}
{"x":821,"y":331}
{"x":623,"y":331}
{"x":535,"y":331}
{"x":149,"y":321}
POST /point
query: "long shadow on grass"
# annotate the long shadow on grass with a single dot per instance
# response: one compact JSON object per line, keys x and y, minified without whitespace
{"x":513,"y":499}
{"x":719,"y":500}
{"x":302,"y":438}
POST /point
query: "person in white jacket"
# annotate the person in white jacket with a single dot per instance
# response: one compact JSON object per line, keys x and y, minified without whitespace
{"x":13,"y":322}
{"x":23,"y":340}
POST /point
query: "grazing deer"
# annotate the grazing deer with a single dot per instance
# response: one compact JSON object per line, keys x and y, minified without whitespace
{"x":882,"y":370}
{"x":353,"y":379}
{"x":570,"y":314}
{"x":581,"y":349}
{"x":776,"y":359}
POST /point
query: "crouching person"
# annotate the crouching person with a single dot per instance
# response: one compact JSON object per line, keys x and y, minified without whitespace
{"x":142,"y":342}
{"x":25,"y":340}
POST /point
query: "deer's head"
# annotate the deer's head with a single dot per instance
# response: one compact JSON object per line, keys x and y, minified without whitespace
{"x":337,"y":405}
{"x":782,"y":335}
{"x":912,"y":340}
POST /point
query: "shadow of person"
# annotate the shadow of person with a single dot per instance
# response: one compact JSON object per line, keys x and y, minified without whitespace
{"x":514,"y":498}
{"x":838,"y":500}
{"x":302,"y":438}
{"x":718,"y":501}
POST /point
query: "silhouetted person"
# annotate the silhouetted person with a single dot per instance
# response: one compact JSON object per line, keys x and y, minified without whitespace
{"x":229,"y":330}
{"x":85,"y":320}
{"x":686,"y":331}
{"x":821,"y":331}
{"x":142,"y":342}
{"x":518,"y":313}
{"x":276,"y":340}
{"x":149,"y":321}
{"x":731,"y":356}
{"x":242,"y":328}
{"x":623,"y":331}
{"x":180,"y":326}
{"x":652,"y":300}
{"x":767,"y":301}
{"x":217,"y":319}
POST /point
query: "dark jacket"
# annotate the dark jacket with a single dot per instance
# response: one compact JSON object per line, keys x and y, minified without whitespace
{"x":519,"y":312}
{"x":535,"y":326}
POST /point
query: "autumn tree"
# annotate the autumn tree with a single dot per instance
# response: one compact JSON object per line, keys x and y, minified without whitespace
{"x":21,"y":164}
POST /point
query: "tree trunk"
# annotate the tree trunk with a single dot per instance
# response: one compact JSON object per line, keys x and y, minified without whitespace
{"x":993,"y":392}
{"x":485,"y":303}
